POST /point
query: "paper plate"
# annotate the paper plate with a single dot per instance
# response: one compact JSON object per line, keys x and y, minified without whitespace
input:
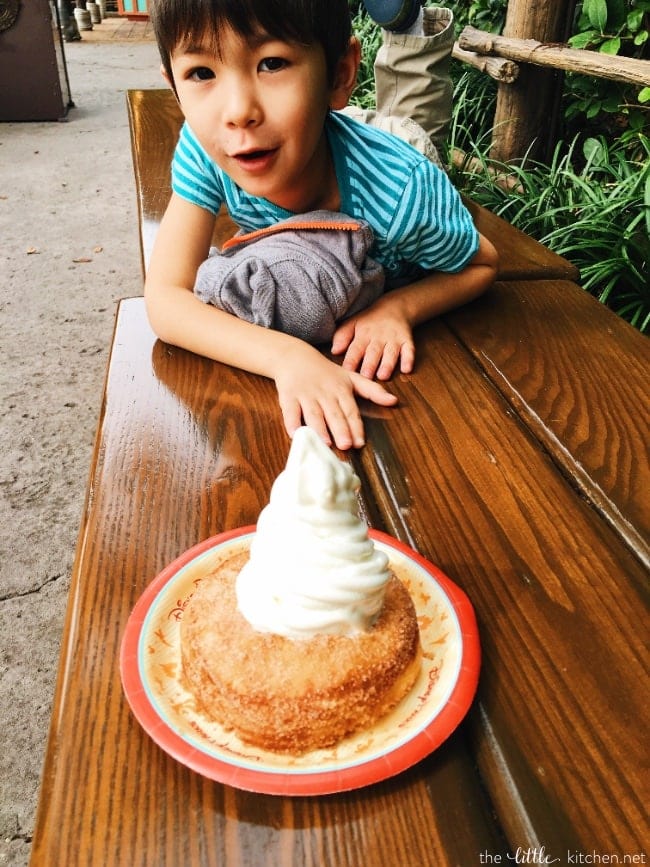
{"x":150,"y":667}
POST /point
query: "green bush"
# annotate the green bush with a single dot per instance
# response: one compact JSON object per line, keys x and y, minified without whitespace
{"x":597,"y":105}
{"x":591,"y":205}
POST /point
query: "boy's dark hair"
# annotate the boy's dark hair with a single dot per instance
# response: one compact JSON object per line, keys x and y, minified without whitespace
{"x":324,"y":22}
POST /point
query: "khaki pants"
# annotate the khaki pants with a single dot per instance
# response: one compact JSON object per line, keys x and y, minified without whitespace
{"x":414,"y":88}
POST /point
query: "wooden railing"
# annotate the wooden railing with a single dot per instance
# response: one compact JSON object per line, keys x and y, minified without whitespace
{"x":477,"y":48}
{"x":526,"y":61}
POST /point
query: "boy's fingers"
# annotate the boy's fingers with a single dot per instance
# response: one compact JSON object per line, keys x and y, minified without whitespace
{"x":392,"y":354}
{"x":316,"y":421}
{"x":407,"y":362}
{"x":354,"y":356}
{"x":373,"y":391}
{"x":371,"y":361}
{"x":292,"y":416}
{"x":381,"y":362}
{"x":342,"y":337}
{"x":345,"y":424}
{"x":338,"y":424}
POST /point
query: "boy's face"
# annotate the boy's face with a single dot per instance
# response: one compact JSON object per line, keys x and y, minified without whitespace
{"x":258,"y":108}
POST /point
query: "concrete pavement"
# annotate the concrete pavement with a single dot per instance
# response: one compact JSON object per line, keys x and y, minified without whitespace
{"x":69,"y":252}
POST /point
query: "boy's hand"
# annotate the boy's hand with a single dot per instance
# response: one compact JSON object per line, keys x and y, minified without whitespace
{"x":315,"y":391}
{"x":375,"y":340}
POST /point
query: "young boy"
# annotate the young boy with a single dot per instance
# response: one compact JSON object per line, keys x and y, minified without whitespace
{"x":262,"y":85}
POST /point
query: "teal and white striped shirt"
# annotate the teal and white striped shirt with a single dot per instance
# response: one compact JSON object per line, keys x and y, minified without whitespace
{"x":418,"y":218}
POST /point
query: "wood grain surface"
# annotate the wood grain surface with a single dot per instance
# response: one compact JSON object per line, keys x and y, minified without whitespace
{"x":578,"y":376}
{"x":187,"y":448}
{"x":520,"y":256}
{"x":560,"y":598}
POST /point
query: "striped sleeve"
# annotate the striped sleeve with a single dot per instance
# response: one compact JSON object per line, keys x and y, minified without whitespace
{"x":378,"y":175}
{"x":431,"y":226}
{"x":195,"y":177}
{"x":417,"y":215}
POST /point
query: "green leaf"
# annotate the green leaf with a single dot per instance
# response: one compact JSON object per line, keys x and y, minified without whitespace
{"x":593,"y":109}
{"x":582,"y":40}
{"x":611,"y":46}
{"x":644,"y":95}
{"x":593,"y":150}
{"x":611,"y":104}
{"x":634,"y":20}
{"x":641,"y":37}
{"x":597,"y":13}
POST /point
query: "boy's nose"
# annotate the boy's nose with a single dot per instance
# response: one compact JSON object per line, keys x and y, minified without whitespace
{"x":242,"y":107}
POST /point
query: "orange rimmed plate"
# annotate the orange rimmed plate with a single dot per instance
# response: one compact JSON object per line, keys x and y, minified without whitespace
{"x":150,"y":667}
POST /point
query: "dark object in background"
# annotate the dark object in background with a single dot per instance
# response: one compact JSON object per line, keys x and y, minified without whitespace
{"x":33,"y":76}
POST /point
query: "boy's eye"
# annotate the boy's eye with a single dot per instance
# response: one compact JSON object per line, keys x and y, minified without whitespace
{"x":201,"y":73}
{"x":272,"y":64}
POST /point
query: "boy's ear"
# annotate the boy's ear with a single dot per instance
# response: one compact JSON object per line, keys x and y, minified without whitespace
{"x":345,"y":75}
{"x":168,"y":79}
{"x":166,"y":76}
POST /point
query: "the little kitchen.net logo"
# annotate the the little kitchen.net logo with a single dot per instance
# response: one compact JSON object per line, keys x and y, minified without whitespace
{"x":539,"y":855}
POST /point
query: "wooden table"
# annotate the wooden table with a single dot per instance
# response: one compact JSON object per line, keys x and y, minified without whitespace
{"x":518,"y":465}
{"x":517,"y":462}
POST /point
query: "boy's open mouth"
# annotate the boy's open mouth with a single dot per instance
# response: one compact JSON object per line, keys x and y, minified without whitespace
{"x":252,"y":156}
{"x":255,"y":162}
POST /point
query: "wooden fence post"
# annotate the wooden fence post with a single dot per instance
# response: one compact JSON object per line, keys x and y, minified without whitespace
{"x":525,"y":119}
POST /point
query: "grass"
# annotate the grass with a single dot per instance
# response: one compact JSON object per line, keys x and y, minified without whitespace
{"x":590,"y":204}
{"x":369,"y":35}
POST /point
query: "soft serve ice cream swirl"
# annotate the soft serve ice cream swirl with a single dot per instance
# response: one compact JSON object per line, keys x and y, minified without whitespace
{"x":312,"y":569}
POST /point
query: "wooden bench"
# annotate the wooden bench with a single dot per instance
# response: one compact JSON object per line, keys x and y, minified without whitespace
{"x":155,"y":121}
{"x":187,"y":448}
{"x":578,"y":377}
{"x":516,"y":460}
{"x":545,"y":523}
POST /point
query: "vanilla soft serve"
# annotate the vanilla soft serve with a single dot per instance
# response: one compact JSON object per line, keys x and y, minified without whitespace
{"x":312,"y":569}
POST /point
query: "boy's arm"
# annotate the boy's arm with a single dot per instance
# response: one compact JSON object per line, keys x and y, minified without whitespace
{"x":311,"y":388}
{"x":377,"y":339}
